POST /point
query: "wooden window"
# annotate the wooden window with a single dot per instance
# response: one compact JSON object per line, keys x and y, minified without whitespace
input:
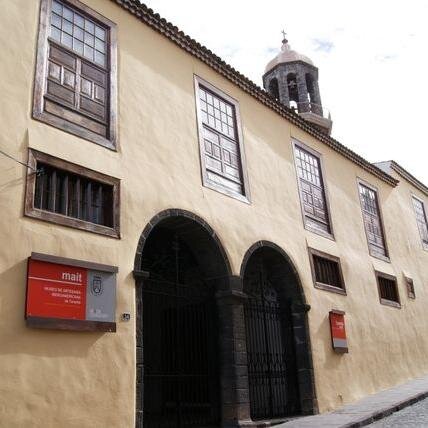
{"x":220,"y":140}
{"x":388,"y":290}
{"x":410,"y":288}
{"x":312,"y":191}
{"x":68,"y":194}
{"x":75,"y":82}
{"x":326,"y":272}
{"x":421,"y":219}
{"x":372,"y":221}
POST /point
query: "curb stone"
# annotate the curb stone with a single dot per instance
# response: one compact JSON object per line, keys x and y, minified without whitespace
{"x":387,"y":412}
{"x":367,"y":410}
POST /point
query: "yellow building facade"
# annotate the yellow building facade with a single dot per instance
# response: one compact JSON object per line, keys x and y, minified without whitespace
{"x":172,"y":225}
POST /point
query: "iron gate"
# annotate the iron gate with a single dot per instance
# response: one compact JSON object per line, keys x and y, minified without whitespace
{"x":181,"y":386}
{"x":270,"y":349}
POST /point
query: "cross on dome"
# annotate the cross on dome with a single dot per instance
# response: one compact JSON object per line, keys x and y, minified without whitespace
{"x":284,"y":39}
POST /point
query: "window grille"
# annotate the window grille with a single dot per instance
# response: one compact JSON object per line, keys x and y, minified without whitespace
{"x":327,"y":272}
{"x":388,"y":291}
{"x":73,"y":196}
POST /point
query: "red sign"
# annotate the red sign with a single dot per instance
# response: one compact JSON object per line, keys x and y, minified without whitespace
{"x":338,"y":332}
{"x":56,"y":291}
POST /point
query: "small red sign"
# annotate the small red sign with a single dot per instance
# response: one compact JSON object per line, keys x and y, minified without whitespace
{"x":56,"y":291}
{"x":338,"y":332}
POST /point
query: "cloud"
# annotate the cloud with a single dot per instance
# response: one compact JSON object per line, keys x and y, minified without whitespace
{"x":359,"y":55}
{"x":323,"y":45}
{"x":271,"y":51}
{"x":385,"y":57}
{"x":230,"y":50}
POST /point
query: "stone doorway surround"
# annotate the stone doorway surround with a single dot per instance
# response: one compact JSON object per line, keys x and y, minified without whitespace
{"x":230,"y":298}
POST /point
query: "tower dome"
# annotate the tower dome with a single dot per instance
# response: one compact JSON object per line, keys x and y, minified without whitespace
{"x":292,"y":78}
{"x":285,"y":55}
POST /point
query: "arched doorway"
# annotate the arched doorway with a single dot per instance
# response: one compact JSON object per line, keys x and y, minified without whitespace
{"x":178,"y":378}
{"x":280,"y":373}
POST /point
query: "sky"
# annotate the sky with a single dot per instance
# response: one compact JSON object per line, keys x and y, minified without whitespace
{"x":372,"y":58}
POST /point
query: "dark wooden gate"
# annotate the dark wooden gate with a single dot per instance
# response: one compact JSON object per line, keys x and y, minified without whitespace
{"x":270,"y":348}
{"x":181,"y":379}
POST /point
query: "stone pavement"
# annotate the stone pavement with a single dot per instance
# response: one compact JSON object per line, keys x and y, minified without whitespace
{"x":367,"y":410}
{"x":415,"y":416}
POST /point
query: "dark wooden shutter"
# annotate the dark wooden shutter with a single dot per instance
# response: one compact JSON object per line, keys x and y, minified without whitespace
{"x":76,"y":91}
{"x":372,"y":220}
{"x":312,"y":190}
{"x":77,"y":87}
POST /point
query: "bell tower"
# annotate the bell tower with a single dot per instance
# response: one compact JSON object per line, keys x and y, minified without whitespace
{"x":292,"y":78}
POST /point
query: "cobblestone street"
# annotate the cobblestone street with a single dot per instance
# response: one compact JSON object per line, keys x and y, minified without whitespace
{"x":415,"y":416}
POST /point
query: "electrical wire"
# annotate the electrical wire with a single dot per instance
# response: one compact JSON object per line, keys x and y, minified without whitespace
{"x":16,"y":160}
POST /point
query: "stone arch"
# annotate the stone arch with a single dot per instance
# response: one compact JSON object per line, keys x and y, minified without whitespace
{"x":274,"y":88}
{"x":205,"y":266}
{"x":290,"y":300}
{"x":186,"y":217}
{"x":310,"y":87}
{"x":268,"y":244}
{"x":293,"y":90}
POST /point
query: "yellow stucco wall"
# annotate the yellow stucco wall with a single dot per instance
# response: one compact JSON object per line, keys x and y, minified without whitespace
{"x":64,"y":379}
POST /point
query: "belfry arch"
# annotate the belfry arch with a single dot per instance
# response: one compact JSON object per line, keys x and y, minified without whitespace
{"x":280,"y":371}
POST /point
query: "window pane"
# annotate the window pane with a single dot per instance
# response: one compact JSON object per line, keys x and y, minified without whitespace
{"x":78,"y":46}
{"x":78,"y":33}
{"x":89,"y":26}
{"x":100,"y":33}
{"x":67,"y":26}
{"x":99,"y":58}
{"x":56,"y":21}
{"x":56,"y":34}
{"x":57,"y":7}
{"x":99,"y":45}
{"x":67,"y":40}
{"x":79,"y":20}
{"x":89,"y":39}
{"x":89,"y":53}
{"x":82,"y":29}
{"x":67,"y":13}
